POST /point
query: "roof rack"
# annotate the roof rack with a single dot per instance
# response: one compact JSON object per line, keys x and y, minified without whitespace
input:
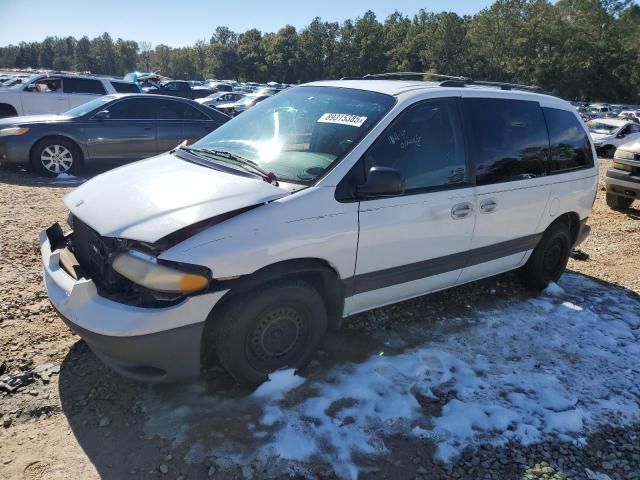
{"x":450,"y":81}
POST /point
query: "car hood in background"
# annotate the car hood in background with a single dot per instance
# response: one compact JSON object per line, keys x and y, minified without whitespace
{"x":6,"y":122}
{"x":598,"y":137}
{"x":152,"y":198}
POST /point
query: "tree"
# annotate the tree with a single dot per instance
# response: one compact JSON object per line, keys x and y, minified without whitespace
{"x":144,"y":55}
{"x":83,"y":61}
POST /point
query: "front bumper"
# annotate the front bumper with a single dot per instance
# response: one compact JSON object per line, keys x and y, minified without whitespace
{"x":15,"y":149}
{"x":155,"y":345}
{"x":624,"y":184}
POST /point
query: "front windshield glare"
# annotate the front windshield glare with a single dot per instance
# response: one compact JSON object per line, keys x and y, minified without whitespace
{"x":299,"y":133}
{"x":85,"y":108}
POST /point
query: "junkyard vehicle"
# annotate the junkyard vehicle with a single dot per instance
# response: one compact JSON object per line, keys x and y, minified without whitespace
{"x":57,"y":93}
{"x":235,"y":108}
{"x":609,"y":133}
{"x":220,"y":98}
{"x":622,"y":180}
{"x":322,"y":201}
{"x":112,"y":127}
{"x":180,"y":88}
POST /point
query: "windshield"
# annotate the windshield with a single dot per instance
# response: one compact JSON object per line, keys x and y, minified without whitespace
{"x":298,"y":134}
{"x":85,"y":108}
{"x":599,"y":127}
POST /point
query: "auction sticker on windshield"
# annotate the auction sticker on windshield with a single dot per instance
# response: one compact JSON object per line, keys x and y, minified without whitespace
{"x":342,"y":119}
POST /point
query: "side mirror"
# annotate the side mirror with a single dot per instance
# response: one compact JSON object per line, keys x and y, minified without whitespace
{"x":381,"y":182}
{"x":102,"y":115}
{"x":621,"y":135}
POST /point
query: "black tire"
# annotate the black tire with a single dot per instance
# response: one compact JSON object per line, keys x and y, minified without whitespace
{"x":7,"y":111}
{"x":616,"y":202}
{"x":69,"y":161}
{"x":609,"y":151}
{"x":281,"y":325}
{"x":549,"y":259}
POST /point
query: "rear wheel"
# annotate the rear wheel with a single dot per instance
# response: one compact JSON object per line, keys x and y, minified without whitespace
{"x":616,"y":202}
{"x":53,"y":156}
{"x":549,"y":259}
{"x":279,"y":326}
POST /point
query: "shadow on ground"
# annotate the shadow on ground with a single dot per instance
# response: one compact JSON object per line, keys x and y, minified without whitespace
{"x":131,"y":430}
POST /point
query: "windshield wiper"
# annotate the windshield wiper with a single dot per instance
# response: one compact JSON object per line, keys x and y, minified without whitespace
{"x":236,"y":159}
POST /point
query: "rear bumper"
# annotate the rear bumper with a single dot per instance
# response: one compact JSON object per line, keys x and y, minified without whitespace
{"x":155,"y":345}
{"x":621,"y":183}
{"x":583,"y":232}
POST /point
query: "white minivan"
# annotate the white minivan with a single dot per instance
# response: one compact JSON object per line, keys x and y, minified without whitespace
{"x":326,"y":200}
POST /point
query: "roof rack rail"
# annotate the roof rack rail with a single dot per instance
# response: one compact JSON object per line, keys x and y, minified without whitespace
{"x":391,"y":75}
{"x":449,"y":81}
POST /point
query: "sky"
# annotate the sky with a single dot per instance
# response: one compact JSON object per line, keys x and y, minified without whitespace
{"x":183,"y":23}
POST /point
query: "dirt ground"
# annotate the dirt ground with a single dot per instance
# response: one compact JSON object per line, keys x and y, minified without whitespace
{"x":73,"y":418}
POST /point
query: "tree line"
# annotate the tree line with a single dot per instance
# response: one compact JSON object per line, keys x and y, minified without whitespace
{"x":579,"y":49}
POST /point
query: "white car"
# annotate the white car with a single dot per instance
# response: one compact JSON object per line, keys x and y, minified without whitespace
{"x":609,"y":133}
{"x":57,"y":93}
{"x":220,"y":98}
{"x":322,"y":201}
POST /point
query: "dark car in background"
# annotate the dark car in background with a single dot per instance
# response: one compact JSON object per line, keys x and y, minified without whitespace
{"x":180,"y":88}
{"x":118,"y":127}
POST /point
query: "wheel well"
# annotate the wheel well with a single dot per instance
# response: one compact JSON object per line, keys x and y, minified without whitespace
{"x":63,"y":137}
{"x":316,"y":272}
{"x":7,"y":108}
{"x":571,"y":220}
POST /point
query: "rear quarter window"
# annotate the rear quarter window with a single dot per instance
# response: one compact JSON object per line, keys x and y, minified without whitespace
{"x":570,"y":146}
{"x":83,"y":85}
{"x":125,"y":87}
{"x":509,"y":139}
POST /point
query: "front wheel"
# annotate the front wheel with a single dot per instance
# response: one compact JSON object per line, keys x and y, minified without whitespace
{"x":616,"y":202}
{"x":549,"y":259}
{"x":279,"y":326}
{"x":53,"y":156}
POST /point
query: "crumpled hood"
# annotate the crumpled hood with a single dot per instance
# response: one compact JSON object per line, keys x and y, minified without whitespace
{"x":152,"y":198}
{"x":599,"y":137}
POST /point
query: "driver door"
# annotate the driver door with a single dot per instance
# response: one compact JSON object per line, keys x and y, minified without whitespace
{"x":417,"y":242}
{"x":45,"y":96}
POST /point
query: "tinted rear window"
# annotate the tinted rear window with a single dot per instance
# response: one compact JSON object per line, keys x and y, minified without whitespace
{"x":83,"y":85}
{"x":510,"y":139}
{"x":125,"y":87}
{"x":570,"y":146}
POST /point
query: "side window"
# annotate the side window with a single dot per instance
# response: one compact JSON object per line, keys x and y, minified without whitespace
{"x":132,"y":109}
{"x":173,"y":110}
{"x":83,"y":85}
{"x":510,"y":139}
{"x":570,"y":146}
{"x":46,"y":85}
{"x":634,"y":128}
{"x":125,"y":87}
{"x":425,"y":143}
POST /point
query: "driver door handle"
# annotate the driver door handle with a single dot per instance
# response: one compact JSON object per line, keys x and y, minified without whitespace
{"x":461,"y":210}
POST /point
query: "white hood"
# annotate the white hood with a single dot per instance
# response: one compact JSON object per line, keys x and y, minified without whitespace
{"x":150,"y":199}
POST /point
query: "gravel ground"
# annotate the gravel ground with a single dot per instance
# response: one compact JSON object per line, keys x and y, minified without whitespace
{"x":68,"y":416}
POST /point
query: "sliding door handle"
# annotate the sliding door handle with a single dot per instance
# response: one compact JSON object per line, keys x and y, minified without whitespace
{"x":488,"y":205}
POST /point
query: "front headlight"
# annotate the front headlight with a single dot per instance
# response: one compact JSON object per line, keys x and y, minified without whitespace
{"x":155,"y":276}
{"x":13,"y":131}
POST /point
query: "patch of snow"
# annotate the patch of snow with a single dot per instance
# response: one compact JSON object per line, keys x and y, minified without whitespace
{"x":278,"y":385}
{"x":66,"y":179}
{"x":554,"y":289}
{"x":553,"y":365}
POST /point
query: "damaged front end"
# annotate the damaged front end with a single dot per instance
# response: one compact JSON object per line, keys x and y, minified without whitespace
{"x":111,"y":263}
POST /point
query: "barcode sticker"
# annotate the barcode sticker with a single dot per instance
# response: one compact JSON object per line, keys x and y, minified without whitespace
{"x":342,"y":119}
